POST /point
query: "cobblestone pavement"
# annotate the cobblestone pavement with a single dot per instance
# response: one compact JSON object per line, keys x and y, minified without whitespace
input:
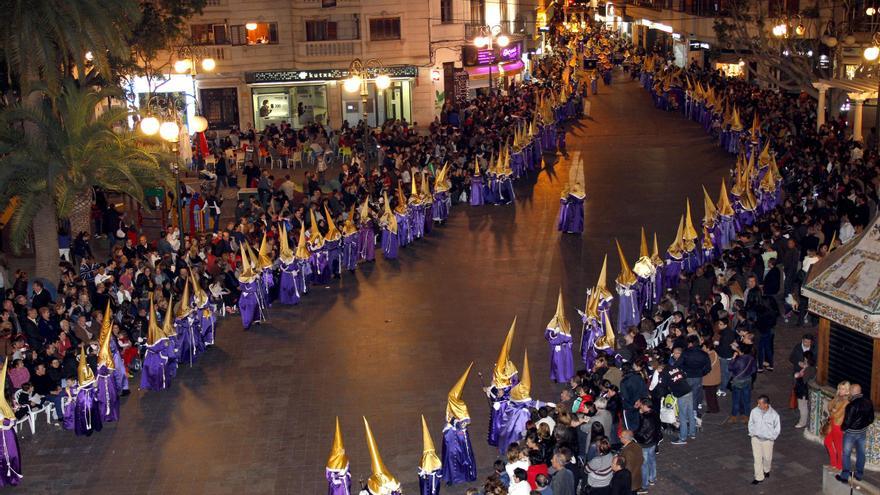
{"x":255,"y":415}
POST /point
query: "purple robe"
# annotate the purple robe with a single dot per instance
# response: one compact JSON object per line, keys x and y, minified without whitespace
{"x":108,"y":395}
{"x":726,"y":231}
{"x":591,"y":331}
{"x":645,"y":289}
{"x":69,"y":410}
{"x":301,"y":275}
{"x":495,"y":411}
{"x":87,"y":414}
{"x":515,"y":415}
{"x":154,"y":372}
{"x":571,"y":215}
{"x":10,"y":463}
{"x":517,"y":163}
{"x":207,"y":323}
{"x":440,"y":208}
{"x":561,"y":361}
{"x":504,"y":190}
{"x":429,"y":483}
{"x":489,"y":190}
{"x":657,"y":286}
{"x":389,"y":244}
{"x":248,"y":304}
{"x":334,"y":256}
{"x":671,"y":271}
{"x":319,"y":260}
{"x":366,"y":242}
{"x":338,"y":481}
{"x":459,"y":465}
{"x":350,"y":252}
{"x":172,"y":351}
{"x":628,"y":308}
{"x":120,"y":375}
{"x":266,"y":283}
{"x":190,"y":337}
{"x":428,"y":205}
{"x":417,"y":216}
{"x":404,"y":234}
{"x":287,"y":292}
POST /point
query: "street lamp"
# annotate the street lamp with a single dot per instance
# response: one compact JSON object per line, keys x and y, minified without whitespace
{"x":487,"y":37}
{"x":359,"y":73}
{"x":871,"y":53}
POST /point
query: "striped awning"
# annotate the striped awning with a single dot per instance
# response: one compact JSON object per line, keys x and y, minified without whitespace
{"x":860,"y":88}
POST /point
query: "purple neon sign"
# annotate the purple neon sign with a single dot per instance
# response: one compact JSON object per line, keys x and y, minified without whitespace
{"x":507,"y":54}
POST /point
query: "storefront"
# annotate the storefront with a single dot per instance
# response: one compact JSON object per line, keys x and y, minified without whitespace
{"x":175,"y":90}
{"x":302,"y":97}
{"x":493,"y":67}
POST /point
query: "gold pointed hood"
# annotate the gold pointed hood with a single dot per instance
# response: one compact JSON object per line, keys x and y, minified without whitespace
{"x":689,"y":233}
{"x":602,"y":282}
{"x":675,"y":248}
{"x":756,"y":127}
{"x":504,"y":368}
{"x":388,"y":217}
{"x":316,"y":240}
{"x":349,"y":228}
{"x":559,"y":322}
{"x":200,"y":297}
{"x":264,"y":256}
{"x":522,"y":391}
{"x":338,"y":460}
{"x":5,"y":410}
{"x":285,"y":254}
{"x":592,"y":308}
{"x":84,"y":374}
{"x":247,"y":272}
{"x":381,"y":481}
{"x":606,"y":341}
{"x":364,"y":212}
{"x":736,"y":122}
{"x":154,"y":331}
{"x":476,"y":168}
{"x":707,"y":240}
{"x":644,"y":266}
{"x":184,"y":307}
{"x":655,"y":253}
{"x":430,"y":462}
{"x":711,"y":213}
{"x":427,"y":197}
{"x":764,"y":157}
{"x":333,"y":233}
{"x":168,"y":329}
{"x":455,"y":406}
{"x":768,"y":182}
{"x":252,"y":256}
{"x":724,"y":207}
{"x":643,"y":247}
{"x":302,"y":247}
{"x":414,"y":197}
{"x":626,"y":276}
{"x":401,"y":200}
{"x":105,"y":357}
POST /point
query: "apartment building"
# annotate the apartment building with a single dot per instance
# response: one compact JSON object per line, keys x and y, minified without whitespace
{"x":286,"y":61}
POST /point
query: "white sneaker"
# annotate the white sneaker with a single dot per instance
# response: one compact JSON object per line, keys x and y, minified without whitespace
{"x":721,"y":393}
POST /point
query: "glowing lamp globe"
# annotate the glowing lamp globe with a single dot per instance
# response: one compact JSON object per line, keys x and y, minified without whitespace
{"x":503,"y":41}
{"x":198,"y":124}
{"x":149,"y":126}
{"x":169,"y":131}
{"x":182,"y":66}
{"x":251,"y":26}
{"x":352,"y":84}
{"x":383,"y":81}
{"x":871,"y":53}
{"x":209,"y":64}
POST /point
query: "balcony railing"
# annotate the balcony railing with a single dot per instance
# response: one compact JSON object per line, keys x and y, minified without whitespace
{"x":328,"y":49}
{"x":701,"y":8}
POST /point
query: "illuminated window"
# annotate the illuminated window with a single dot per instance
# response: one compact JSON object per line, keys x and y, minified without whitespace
{"x":851,"y":71}
{"x":264,"y":33}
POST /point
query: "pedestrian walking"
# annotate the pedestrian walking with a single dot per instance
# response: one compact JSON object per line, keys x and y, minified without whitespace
{"x":764,"y":428}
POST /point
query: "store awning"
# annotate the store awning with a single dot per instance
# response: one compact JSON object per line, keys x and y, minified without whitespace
{"x":858,"y":88}
{"x":482,"y":71}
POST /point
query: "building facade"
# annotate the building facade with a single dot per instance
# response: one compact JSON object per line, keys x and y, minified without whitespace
{"x":284,"y":61}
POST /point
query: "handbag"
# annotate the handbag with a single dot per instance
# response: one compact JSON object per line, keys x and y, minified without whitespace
{"x":792,"y":399}
{"x":825,"y":429}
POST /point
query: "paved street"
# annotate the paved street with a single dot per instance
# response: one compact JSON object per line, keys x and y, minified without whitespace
{"x":255,"y":415}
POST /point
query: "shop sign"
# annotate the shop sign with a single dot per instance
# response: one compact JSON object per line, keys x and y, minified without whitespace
{"x":288,"y":76}
{"x":472,"y":56}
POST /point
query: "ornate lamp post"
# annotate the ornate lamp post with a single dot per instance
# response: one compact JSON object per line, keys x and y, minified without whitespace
{"x":359,"y":73}
{"x":488,"y":37}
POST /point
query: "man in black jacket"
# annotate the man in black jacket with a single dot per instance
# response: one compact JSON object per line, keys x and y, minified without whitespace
{"x":632,"y":388}
{"x":647,"y":436}
{"x":695,"y":364}
{"x":857,"y":418}
{"x":726,"y":337}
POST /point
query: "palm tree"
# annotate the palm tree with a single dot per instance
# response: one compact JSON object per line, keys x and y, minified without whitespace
{"x":75,"y":149}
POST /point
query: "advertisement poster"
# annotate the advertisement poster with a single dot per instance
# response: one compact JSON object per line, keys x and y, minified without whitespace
{"x":273,"y":106}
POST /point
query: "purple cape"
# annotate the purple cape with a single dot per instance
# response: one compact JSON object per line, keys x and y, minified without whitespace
{"x":366,"y":242}
{"x":404,"y":234}
{"x":154,"y":373}
{"x":440,"y":208}
{"x":592,"y":330}
{"x":571,"y":215}
{"x":120,"y":375}
{"x":207,"y":323}
{"x":459,"y":465}
{"x":417,"y":219}
{"x":87,"y":415}
{"x":389,"y":244}
{"x":628,"y":308}
{"x":248,"y":304}
{"x":515,"y":415}
{"x":320,"y":262}
{"x":477,"y":191}
{"x":334,"y":256}
{"x":350,"y":252}
{"x":190,"y":339}
{"x":429,"y":483}
{"x":69,"y":411}
{"x":287,"y":290}
{"x":108,"y":395}
{"x":561,"y":361}
{"x":338,"y":482}
{"x":10,"y":463}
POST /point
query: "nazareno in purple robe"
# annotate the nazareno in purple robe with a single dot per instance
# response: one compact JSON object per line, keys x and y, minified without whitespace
{"x":108,"y":395}
{"x":404,"y":235}
{"x":390,"y":244}
{"x":561,"y":360}
{"x":417,"y":219}
{"x":154,"y":372}
{"x":429,"y":482}
{"x":190,"y":338}
{"x":338,"y":481}
{"x":628,"y":308}
{"x":515,"y":415}
{"x":301,"y":276}
{"x":440,"y":207}
{"x":120,"y":375}
{"x":495,"y":412}
{"x":319,"y":260}
{"x":207,"y":323}
{"x":87,"y":414}
{"x":10,"y":463}
{"x":266,"y":283}
{"x":591,"y":331}
{"x":248,"y":304}
{"x":334,"y":256}
{"x":366,"y":242}
{"x":477,"y":191}
{"x":571,"y":215}
{"x":350,"y":252}
{"x":459,"y":465}
{"x":68,"y":412}
{"x":671,"y":271}
{"x":287,"y":292}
